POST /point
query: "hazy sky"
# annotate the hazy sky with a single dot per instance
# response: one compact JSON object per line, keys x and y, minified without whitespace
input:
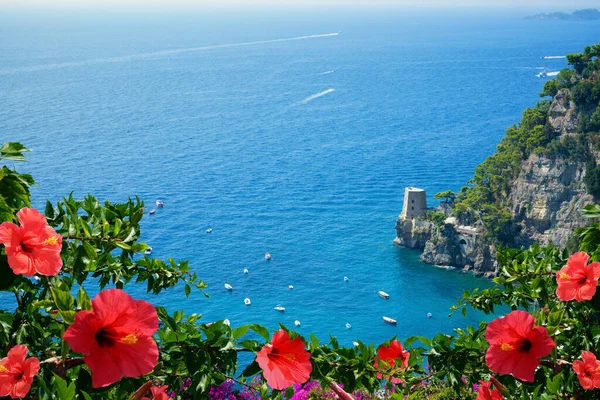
{"x":542,"y":5}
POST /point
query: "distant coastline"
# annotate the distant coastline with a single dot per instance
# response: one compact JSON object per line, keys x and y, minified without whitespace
{"x":588,"y":14}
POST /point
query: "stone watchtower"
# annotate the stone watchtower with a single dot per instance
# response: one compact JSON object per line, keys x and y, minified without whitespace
{"x":415,"y":203}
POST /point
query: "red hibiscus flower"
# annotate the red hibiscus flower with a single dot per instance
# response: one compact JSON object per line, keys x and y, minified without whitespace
{"x":516,"y":345}
{"x":588,"y":370}
{"x":33,"y":246}
{"x":390,"y":354}
{"x":17,"y":372}
{"x":116,"y":337}
{"x":284,"y":362}
{"x":158,"y":393}
{"x":485,"y":392}
{"x":578,"y":279}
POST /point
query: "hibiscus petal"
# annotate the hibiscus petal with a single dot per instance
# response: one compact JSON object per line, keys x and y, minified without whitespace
{"x":567,"y":290}
{"x":136,"y":359}
{"x":525,"y":368}
{"x":104,"y":367}
{"x":17,"y":354}
{"x":146,"y":318}
{"x":578,"y":260}
{"x":81,"y":335}
{"x":110,"y":305}
{"x":10,"y":234}
{"x":20,"y":263}
{"x":46,"y":261}
{"x":586,"y":292}
{"x":501,"y":361}
{"x":31,"y":219}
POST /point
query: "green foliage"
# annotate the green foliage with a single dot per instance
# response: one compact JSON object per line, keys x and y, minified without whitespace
{"x":447,"y":196}
{"x":435,"y":217}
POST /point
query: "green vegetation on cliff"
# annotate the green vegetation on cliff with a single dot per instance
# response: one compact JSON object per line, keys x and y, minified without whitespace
{"x":486,"y":196}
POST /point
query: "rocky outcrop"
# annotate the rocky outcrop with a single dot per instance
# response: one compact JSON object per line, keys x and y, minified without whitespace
{"x":563,"y":113}
{"x":547,"y":198}
{"x":413,"y":233}
{"x":450,"y":245}
{"x":545,"y":201}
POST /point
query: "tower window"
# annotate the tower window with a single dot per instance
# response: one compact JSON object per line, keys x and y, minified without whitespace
{"x":413,"y":201}
{"x":412,"y":208}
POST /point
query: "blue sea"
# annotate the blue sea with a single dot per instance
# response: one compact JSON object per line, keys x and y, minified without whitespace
{"x":282,"y":136}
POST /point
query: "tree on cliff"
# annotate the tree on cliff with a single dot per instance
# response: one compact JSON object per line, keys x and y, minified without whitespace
{"x":448,"y":196}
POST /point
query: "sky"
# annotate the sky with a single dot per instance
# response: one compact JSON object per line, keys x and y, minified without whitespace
{"x":541,"y":5}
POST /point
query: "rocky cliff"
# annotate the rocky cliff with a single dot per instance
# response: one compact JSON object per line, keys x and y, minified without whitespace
{"x":544,"y":201}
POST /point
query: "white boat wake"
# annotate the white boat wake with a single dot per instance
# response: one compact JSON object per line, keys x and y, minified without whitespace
{"x":155,"y":54}
{"x":316,"y":96}
{"x":327,"y":72}
{"x":553,"y":57}
{"x":552,"y":73}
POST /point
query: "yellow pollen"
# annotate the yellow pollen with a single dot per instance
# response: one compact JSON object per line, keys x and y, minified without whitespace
{"x":290,"y":357}
{"x":3,"y":368}
{"x":564,"y":276}
{"x":129,"y":339}
{"x":598,"y":368}
{"x":506,"y":347}
{"x":52,"y":240}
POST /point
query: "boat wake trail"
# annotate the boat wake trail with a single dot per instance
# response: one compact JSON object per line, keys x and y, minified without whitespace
{"x":316,"y":96}
{"x":553,"y":57}
{"x":327,"y":72}
{"x":155,"y":54}
{"x":553,"y":73}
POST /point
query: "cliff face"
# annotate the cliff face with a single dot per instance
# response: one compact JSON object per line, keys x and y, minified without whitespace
{"x":545,"y":202}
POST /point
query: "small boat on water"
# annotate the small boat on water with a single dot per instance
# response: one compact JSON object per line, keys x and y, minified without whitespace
{"x":389,"y":320}
{"x":228,"y":286}
{"x":346,"y":279}
{"x":152,"y":211}
{"x":429,"y":315}
{"x":297,"y":323}
{"x":245,"y":270}
{"x":279,"y":307}
{"x":384,"y":294}
{"x":267,"y":256}
{"x":355,"y":344}
{"x":209,"y":230}
{"x":148,"y":251}
{"x":348,"y":326}
{"x":159,"y":203}
{"x":247,"y":301}
{"x":291,"y":287}
{"x":226,"y":322}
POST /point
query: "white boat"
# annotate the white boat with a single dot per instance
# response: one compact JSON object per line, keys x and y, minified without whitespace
{"x":291,"y":287}
{"x":389,"y":320}
{"x":209,"y":230}
{"x":267,"y":256}
{"x":245,"y":270}
{"x":279,"y":307}
{"x":247,"y":301}
{"x":355,"y":344}
{"x":228,"y":286}
{"x":159,"y":203}
{"x":297,"y":323}
{"x":148,"y":251}
{"x":226,"y":322}
{"x":346,"y":279}
{"x":384,"y":294}
{"x":348,"y":326}
{"x":429,"y":315}
{"x":152,"y":211}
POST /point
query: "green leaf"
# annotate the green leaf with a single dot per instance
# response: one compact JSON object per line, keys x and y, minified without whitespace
{"x":251,"y":369}
{"x":83,"y":300}
{"x":62,"y":391}
{"x":64,"y":300}
{"x":13,"y":151}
